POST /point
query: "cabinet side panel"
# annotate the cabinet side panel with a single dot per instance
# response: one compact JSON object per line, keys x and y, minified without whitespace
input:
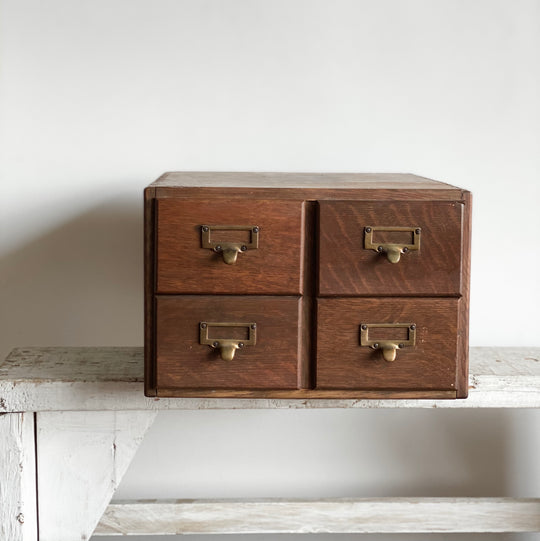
{"x":462,"y":372}
{"x":149,"y":270}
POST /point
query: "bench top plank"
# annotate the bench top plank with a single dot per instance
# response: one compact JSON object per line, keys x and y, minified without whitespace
{"x":111,"y":378}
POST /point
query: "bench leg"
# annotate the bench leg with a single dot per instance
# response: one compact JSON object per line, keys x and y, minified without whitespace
{"x":18,"y":515}
{"x":81,"y":459}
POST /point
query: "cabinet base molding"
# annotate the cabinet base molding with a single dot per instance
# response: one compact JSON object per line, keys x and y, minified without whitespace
{"x":312,"y":394}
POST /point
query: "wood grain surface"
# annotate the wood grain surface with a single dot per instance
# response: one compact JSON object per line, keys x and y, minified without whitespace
{"x":308,"y":186}
{"x":311,"y":244}
{"x":462,"y":379}
{"x":183,"y":266}
{"x":343,"y":364}
{"x":149,"y":288}
{"x":248,"y":179}
{"x":338,"y":515}
{"x":273,"y":363}
{"x":347,"y":268}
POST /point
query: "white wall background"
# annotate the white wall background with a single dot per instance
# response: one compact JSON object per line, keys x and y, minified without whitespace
{"x":98,"y":98}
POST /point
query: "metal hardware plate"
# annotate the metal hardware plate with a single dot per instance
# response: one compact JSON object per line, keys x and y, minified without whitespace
{"x":388,"y":347}
{"x":227,"y":346}
{"x":393,"y":251}
{"x":229,"y":250}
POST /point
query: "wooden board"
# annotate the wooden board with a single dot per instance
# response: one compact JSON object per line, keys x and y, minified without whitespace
{"x":379,"y":515}
{"x":347,"y":268}
{"x":18,"y":499}
{"x":462,"y":375}
{"x":271,"y":363}
{"x":111,"y":378}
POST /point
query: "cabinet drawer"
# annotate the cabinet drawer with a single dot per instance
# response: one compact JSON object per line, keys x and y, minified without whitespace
{"x":430,"y":363}
{"x":197,"y":335}
{"x":198,"y":240}
{"x":352,"y":232}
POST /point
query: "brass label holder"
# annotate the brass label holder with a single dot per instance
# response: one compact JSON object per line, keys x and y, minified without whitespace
{"x":227,"y":346}
{"x":393,"y":251}
{"x":388,"y":347}
{"x":229,"y":250}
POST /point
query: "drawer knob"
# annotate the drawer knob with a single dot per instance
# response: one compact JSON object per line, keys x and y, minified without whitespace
{"x":227,"y":346}
{"x":392,"y":250}
{"x":228,"y":249}
{"x":389,"y":347}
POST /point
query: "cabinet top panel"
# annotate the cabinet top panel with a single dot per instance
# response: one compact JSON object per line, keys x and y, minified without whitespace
{"x":302,"y":185}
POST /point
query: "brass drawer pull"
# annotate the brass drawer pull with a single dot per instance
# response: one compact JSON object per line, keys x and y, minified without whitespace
{"x":228,"y":346}
{"x":229,"y":250}
{"x":393,"y":251}
{"x":389,"y":347}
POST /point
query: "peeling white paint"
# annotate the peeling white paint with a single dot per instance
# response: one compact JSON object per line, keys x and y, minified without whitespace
{"x":18,"y":514}
{"x":99,"y":379}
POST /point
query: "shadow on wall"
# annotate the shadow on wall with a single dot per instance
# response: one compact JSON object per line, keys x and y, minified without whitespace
{"x":80,"y":284}
{"x":326,"y":453}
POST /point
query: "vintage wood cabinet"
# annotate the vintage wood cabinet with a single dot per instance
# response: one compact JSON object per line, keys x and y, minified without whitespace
{"x":287,"y":285}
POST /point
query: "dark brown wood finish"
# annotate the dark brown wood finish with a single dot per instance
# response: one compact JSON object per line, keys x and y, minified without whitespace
{"x":462,"y":373}
{"x":304,"y":394}
{"x":309,"y":222}
{"x":149,"y":288}
{"x":248,"y":179}
{"x":368,"y":194}
{"x":342,"y":363}
{"x":347,"y":268}
{"x":308,"y":344}
{"x":183,"y":266}
{"x":273,"y":363}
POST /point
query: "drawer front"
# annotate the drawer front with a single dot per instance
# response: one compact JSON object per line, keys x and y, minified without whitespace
{"x":199,"y":337}
{"x":427,"y":360}
{"x":390,"y":248}
{"x":229,"y":246}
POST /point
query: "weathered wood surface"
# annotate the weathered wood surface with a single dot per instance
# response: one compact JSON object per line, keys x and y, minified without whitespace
{"x":94,"y":379}
{"x":18,"y":513}
{"x":380,"y":515}
{"x":82,"y":457}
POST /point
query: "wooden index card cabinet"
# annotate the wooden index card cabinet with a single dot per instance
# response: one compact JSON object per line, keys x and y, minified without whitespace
{"x":287,"y":285}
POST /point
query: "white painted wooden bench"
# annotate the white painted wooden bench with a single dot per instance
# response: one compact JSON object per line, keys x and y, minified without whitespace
{"x":71,"y":420}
